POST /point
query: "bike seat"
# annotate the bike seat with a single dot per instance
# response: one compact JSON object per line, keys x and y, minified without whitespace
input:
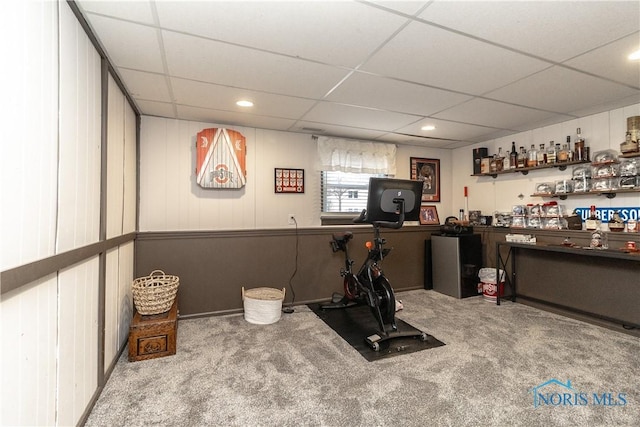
{"x":343,"y":237}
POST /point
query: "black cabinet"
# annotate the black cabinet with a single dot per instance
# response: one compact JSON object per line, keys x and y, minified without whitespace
{"x":455,"y":262}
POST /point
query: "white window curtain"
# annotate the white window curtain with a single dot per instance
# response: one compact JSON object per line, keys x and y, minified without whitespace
{"x":336,"y":154}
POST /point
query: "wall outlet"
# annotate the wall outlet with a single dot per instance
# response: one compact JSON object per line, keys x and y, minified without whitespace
{"x":292,"y":219}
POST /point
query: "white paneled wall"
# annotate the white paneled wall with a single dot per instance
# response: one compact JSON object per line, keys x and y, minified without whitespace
{"x":79,"y":146}
{"x":602,"y":131}
{"x":115,"y":159}
{"x":77,"y":340}
{"x":130,"y":173}
{"x":28,"y":153}
{"x":50,"y":177}
{"x":125,"y":298}
{"x":28,"y":358}
{"x":170,"y":199}
{"x":118,"y":300}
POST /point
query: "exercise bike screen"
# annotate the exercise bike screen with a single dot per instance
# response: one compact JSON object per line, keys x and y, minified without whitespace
{"x":382,"y":192}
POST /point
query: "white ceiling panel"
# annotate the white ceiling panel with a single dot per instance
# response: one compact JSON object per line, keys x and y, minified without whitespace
{"x":447,"y":130}
{"x":367,"y":69}
{"x":146,"y":86}
{"x":377,"y":92}
{"x":160,"y":109}
{"x":411,"y":7}
{"x":330,"y":32}
{"x":607,"y":61}
{"x":561,"y":90}
{"x":493,"y":114}
{"x":555,"y":30}
{"x":129,"y":45}
{"x":323,"y":129}
{"x":348,"y":115}
{"x":207,"y":95}
{"x":432,"y":56}
{"x":136,"y":11}
{"x":221,"y":63}
{"x":232,"y":118}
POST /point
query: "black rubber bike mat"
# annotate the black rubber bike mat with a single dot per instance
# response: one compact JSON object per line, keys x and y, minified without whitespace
{"x":356,"y":323}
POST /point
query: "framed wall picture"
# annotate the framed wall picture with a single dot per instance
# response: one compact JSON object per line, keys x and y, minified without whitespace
{"x":427,"y":171}
{"x":289,"y":181}
{"x":429,"y":215}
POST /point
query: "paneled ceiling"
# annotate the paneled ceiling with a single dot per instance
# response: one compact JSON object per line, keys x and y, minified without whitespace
{"x":374,"y":70}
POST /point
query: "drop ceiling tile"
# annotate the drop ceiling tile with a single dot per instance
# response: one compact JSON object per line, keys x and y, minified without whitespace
{"x":153,"y":108}
{"x":488,"y":113}
{"x":424,"y":54}
{"x":537,"y":27}
{"x":232,"y":118}
{"x":343,"y":33}
{"x":207,"y":95}
{"x":561,"y":90}
{"x":347,"y":115}
{"x":406,"y":7}
{"x":399,"y":138}
{"x":322,"y":129}
{"x":138,"y":11}
{"x":608,"y":62}
{"x":447,"y":130}
{"x":394,"y":95}
{"x":129,"y":45}
{"x":214,"y":62}
{"x":143,"y":85}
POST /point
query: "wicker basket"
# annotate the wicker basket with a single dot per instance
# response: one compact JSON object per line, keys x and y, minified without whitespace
{"x":155,"y":293}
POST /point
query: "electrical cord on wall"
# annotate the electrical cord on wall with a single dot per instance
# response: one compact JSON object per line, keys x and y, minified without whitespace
{"x":289,"y":309}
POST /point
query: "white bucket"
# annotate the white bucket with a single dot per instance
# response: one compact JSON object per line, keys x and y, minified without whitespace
{"x":262,"y":306}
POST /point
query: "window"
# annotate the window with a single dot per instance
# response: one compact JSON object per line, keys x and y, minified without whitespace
{"x":344,"y":192}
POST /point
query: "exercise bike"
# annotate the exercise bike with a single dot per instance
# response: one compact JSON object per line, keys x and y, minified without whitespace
{"x":369,"y":285}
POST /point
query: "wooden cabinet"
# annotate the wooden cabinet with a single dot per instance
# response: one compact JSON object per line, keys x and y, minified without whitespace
{"x":153,"y":336}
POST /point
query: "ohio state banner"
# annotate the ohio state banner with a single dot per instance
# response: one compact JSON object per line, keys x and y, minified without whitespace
{"x":221,"y":158}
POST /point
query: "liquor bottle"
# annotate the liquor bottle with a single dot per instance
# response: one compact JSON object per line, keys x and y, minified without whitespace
{"x":542,"y":155}
{"x":513,"y":156}
{"x":493,"y":165}
{"x":579,"y":153}
{"x":570,"y":153}
{"x":506,"y":161}
{"x":563,"y":154}
{"x":552,"y":154}
{"x":592,"y":222}
{"x":532,"y":156}
{"x":522,"y":158}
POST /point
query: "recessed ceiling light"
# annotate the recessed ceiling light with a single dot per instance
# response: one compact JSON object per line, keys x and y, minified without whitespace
{"x":635,"y":56}
{"x":428,"y":127}
{"x":244,"y":103}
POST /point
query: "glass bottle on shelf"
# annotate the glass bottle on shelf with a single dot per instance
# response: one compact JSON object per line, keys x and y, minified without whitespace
{"x":513,"y":156}
{"x":579,"y":153}
{"x":500,"y":160}
{"x":506,"y":161}
{"x":552,"y":154}
{"x":493,"y":164}
{"x":532,"y":157}
{"x":563,"y":154}
{"x":570,"y":152}
{"x":522,"y":158}
{"x":542,"y":155}
{"x":592,"y":222}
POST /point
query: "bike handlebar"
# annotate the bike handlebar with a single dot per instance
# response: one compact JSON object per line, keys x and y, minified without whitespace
{"x":362,"y":218}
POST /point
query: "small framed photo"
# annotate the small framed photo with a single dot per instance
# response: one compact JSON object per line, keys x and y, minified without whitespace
{"x":289,"y":181}
{"x":429,"y":215}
